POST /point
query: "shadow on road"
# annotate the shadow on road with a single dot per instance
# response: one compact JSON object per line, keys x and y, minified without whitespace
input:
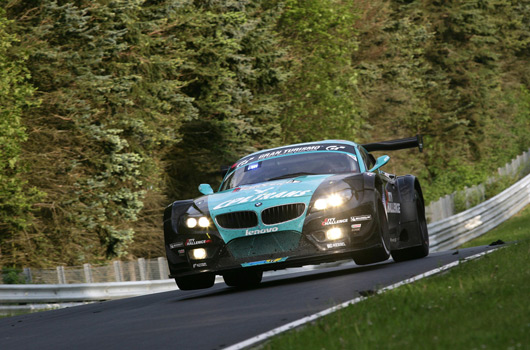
{"x":312,"y":275}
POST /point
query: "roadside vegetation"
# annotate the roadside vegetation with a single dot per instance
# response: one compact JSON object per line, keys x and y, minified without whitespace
{"x":481,"y":304}
{"x":111,"y":109}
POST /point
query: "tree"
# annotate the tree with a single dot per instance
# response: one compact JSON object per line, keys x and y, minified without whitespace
{"x":16,"y":197}
{"x":321,"y":92}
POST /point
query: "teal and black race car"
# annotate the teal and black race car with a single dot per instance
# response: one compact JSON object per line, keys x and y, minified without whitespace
{"x":296,"y":205}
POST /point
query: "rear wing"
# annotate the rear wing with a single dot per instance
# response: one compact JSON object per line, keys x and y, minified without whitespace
{"x":394,"y":145}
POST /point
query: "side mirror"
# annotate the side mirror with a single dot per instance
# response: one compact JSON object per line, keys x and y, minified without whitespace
{"x":380,"y":162}
{"x":205,"y":189}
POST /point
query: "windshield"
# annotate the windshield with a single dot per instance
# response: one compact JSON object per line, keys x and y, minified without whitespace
{"x":292,"y":166}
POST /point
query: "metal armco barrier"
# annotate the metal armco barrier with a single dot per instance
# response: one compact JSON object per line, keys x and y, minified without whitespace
{"x":53,"y":293}
{"x":445,"y":234}
{"x":460,"y":228}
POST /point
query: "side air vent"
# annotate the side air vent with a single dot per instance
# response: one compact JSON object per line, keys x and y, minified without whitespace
{"x":282,"y":213}
{"x":237,"y":219}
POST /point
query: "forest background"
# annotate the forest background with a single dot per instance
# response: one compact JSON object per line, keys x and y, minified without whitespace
{"x":110,"y":110}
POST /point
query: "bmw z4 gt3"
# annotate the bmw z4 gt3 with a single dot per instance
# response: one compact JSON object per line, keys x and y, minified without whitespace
{"x":297,"y":205}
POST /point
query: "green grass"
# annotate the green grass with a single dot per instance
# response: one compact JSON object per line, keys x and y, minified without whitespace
{"x":482,"y":304}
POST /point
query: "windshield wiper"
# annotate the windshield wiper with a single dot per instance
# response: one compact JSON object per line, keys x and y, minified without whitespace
{"x":286,"y":176}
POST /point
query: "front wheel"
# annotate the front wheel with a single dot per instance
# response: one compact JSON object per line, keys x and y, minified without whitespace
{"x":382,"y":252}
{"x":200,"y":281}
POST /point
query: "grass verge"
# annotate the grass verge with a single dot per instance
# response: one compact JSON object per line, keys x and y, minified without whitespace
{"x":482,"y":304}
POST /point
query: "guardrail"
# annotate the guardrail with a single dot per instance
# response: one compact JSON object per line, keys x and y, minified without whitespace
{"x":64,"y":293}
{"x":444,"y":207}
{"x":445,"y":234}
{"x":53,"y":293}
{"x":460,"y":228}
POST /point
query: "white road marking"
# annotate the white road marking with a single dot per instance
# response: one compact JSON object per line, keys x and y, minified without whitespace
{"x":264,"y":336}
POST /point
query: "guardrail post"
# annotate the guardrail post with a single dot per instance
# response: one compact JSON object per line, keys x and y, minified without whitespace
{"x":118,"y":271}
{"x":482,"y":191}
{"x":27,"y":275}
{"x":513,"y":168}
{"x":526,"y":162}
{"x":88,"y":273}
{"x":132,"y":270}
{"x":60,"y":275}
{"x":143,"y":269}
{"x":447,"y":206}
{"x":162,"y":267}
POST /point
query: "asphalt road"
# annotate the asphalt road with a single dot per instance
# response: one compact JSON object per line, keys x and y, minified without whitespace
{"x":211,"y":318}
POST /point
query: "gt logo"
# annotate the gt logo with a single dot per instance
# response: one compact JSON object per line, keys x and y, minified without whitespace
{"x":334,"y":148}
{"x":246,"y":161}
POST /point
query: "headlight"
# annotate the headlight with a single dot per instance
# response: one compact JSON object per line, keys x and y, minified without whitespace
{"x":198,"y":254}
{"x":333,"y":200}
{"x":334,"y":234}
{"x":191,"y":222}
{"x":202,"y":221}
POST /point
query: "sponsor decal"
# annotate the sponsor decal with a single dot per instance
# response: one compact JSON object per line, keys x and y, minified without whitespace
{"x":253,"y":187}
{"x":243,"y":162}
{"x":203,"y":264}
{"x":260,"y":231}
{"x":181,"y":251}
{"x":291,"y":150}
{"x":262,"y":196}
{"x":288,"y":151}
{"x":394,"y":208}
{"x":336,"y":245}
{"x":333,"y":221}
{"x":192,"y":241}
{"x":334,"y":148}
{"x":356,"y":227}
{"x":263,"y":262}
{"x":253,"y":166}
{"x":176,"y":245}
{"x":280,"y":152}
{"x":361,"y":218}
{"x":393,"y":240}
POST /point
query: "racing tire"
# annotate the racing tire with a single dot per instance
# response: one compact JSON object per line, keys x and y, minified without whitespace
{"x":422,"y":250}
{"x":200,"y":281}
{"x":243,"y":279}
{"x":382,"y":252}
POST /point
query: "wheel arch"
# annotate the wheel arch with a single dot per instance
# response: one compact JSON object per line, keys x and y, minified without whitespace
{"x":373,"y":182}
{"x":172,"y":213}
{"x":407,"y":184}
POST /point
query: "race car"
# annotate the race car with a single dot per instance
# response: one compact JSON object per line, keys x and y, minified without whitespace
{"x":297,"y":205}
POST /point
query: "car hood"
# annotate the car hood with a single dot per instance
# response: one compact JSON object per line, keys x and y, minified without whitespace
{"x":258,"y":197}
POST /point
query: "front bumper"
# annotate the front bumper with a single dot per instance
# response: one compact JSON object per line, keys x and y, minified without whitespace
{"x":277,"y":250}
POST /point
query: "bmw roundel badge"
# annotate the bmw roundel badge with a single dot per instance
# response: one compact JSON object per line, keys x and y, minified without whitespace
{"x":258,"y":204}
